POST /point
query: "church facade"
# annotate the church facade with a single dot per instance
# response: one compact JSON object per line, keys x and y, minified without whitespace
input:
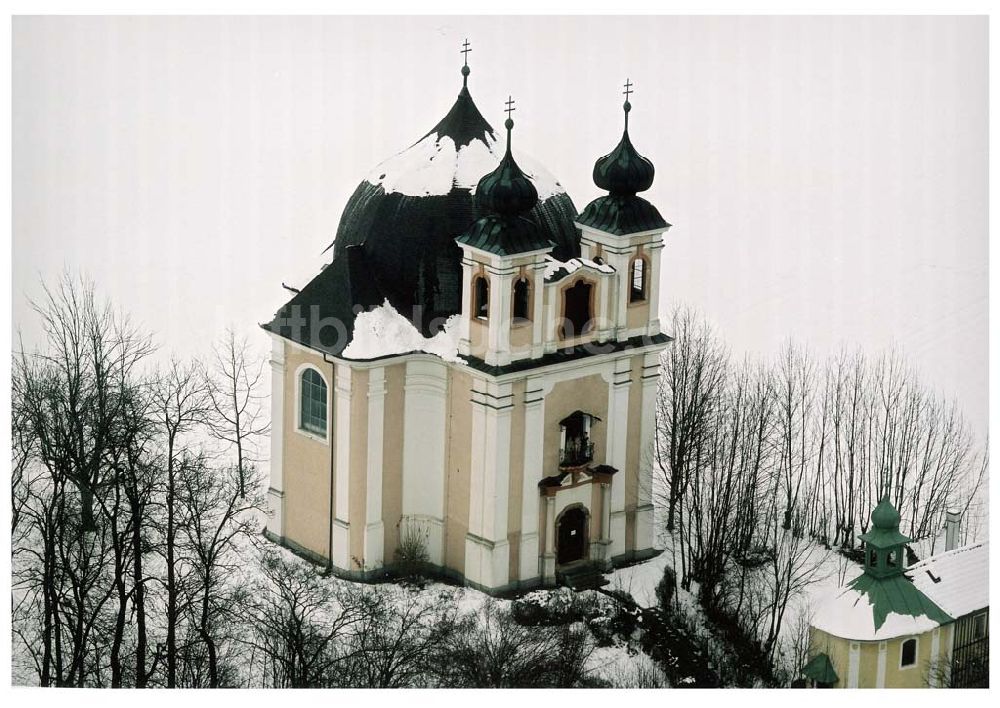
{"x":509,"y":438}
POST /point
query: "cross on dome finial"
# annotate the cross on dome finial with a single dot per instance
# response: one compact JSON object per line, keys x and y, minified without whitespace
{"x":510,"y":106}
{"x":627,"y":106}
{"x":509,"y":123}
{"x":464,"y":51}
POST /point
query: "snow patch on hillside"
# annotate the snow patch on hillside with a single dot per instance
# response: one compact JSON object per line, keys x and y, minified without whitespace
{"x":384,"y":332}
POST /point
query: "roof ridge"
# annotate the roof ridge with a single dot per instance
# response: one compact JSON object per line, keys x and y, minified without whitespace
{"x":952,"y":552}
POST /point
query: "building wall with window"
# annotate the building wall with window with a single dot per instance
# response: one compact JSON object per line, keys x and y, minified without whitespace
{"x":883,"y":664}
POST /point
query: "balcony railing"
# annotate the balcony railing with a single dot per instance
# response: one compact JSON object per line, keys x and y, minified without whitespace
{"x":576,"y":452}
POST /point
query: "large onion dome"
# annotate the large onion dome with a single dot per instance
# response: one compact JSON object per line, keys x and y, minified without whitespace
{"x":623,"y":173}
{"x":407,"y":213}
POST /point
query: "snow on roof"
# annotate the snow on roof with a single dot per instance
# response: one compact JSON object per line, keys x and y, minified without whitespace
{"x":382,"y":331}
{"x":554,"y":267}
{"x":433,"y":166}
{"x":849,"y":614}
{"x":957,"y":581}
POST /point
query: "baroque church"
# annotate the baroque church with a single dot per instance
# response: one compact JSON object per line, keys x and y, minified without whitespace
{"x":469,"y":382}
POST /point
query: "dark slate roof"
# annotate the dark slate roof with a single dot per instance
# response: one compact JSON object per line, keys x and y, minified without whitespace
{"x":321,"y":316}
{"x":568,"y":354}
{"x":621,"y":215}
{"x":463,"y":123}
{"x":576,"y":416}
{"x":409,"y":241}
{"x":505,"y":236}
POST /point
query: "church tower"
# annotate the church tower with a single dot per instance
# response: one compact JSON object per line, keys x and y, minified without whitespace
{"x":470,"y":382}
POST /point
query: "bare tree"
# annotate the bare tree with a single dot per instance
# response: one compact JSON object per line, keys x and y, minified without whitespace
{"x":236,"y":416}
{"x":181,"y":403}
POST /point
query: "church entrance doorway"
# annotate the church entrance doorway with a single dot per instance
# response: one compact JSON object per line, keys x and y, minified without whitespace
{"x":571,"y":535}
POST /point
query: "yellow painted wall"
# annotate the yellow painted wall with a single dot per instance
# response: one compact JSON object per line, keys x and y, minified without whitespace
{"x":588,"y":394}
{"x":916,"y":676}
{"x":306,"y":463}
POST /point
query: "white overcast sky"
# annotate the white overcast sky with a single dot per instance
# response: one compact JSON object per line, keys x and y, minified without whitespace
{"x":826,"y":177}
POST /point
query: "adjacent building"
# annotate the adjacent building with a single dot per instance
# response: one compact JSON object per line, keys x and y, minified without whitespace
{"x":893,"y":626}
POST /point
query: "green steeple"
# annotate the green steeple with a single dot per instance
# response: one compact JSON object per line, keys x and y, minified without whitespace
{"x":884,"y":544}
{"x":883,"y":582}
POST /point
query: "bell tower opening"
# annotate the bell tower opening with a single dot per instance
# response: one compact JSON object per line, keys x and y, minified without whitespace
{"x":577,"y":310}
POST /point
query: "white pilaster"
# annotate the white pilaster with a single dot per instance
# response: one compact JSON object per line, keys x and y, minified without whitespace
{"x":880,"y":674}
{"x":374,"y":529}
{"x":935,"y":663}
{"x":487,"y":548}
{"x":538,"y":308}
{"x":425,"y":417}
{"x":549,"y":557}
{"x":853,"y":664}
{"x":342,"y":426}
{"x":534,"y":429}
{"x":501,"y":293}
{"x":618,"y":392}
{"x":654,"y":250}
{"x":276,"y":490}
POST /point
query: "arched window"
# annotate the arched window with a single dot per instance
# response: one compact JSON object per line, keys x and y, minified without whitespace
{"x":872,"y":558}
{"x":908,"y":653}
{"x":638,"y":276}
{"x":481,"y":303}
{"x":312,"y":403}
{"x":577,"y":310}
{"x":521,"y":291}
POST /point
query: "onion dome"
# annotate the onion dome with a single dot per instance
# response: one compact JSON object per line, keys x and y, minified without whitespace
{"x":406,"y":214}
{"x":885,"y":516}
{"x":506,"y":191}
{"x":508,"y":195}
{"x":623,"y":172}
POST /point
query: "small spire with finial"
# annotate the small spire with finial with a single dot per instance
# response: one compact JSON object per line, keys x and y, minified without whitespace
{"x":465,"y":57}
{"x":509,"y":123}
{"x":627,"y":106}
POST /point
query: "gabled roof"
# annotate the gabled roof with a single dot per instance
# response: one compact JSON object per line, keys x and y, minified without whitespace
{"x":957,"y":581}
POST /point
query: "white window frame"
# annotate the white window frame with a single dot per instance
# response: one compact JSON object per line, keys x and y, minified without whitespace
{"x":916,"y":653}
{"x":325,"y":439}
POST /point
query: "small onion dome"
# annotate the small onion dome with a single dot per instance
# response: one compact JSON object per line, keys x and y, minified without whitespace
{"x":885,"y":516}
{"x":623,"y":171}
{"x":506,"y":190}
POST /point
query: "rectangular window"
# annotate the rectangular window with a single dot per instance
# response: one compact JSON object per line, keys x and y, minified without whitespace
{"x":979,"y":626}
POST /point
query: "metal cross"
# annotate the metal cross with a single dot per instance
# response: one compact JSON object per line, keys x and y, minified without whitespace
{"x":465,"y":51}
{"x":510,"y":106}
{"x":628,"y":89}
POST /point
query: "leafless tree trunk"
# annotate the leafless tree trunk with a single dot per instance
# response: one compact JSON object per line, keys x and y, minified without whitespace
{"x":236,"y":415}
